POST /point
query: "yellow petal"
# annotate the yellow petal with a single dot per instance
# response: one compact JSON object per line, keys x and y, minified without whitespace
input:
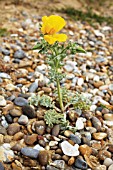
{"x":60,"y":37}
{"x":52,"y":24}
{"x":51,"y":39}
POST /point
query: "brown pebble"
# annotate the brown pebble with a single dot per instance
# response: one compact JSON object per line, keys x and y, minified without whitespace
{"x":85,"y":150}
{"x":67,"y":133}
{"x":65,"y":158}
{"x":55,"y":130}
{"x":13,"y":129}
{"x":98,"y":83}
{"x":56,"y":157}
{"x":7,"y":138}
{"x":15,"y":112}
{"x":17,"y":147}
{"x":110,"y":148}
{"x":40,"y":127}
{"x":71,"y":161}
{"x":15,"y":167}
{"x":46,"y":89}
{"x":18,"y":136}
{"x":88,"y":123}
{"x":30,"y":139}
{"x":103,"y":154}
{"x":29,"y":162}
{"x":43,"y":157}
{"x":99,"y":135}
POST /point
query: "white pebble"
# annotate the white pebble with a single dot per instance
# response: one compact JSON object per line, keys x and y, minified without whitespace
{"x":80,"y":81}
{"x":2,"y":101}
{"x":108,"y":162}
{"x":69,"y":149}
{"x":79,"y":124}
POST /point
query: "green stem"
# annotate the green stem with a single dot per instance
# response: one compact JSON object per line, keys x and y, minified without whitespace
{"x":60,"y":95}
{"x":55,"y":53}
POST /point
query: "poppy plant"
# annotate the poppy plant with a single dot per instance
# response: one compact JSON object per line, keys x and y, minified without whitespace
{"x":51,"y":26}
{"x":55,"y":51}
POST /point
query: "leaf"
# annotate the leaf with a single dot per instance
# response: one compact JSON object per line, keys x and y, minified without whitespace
{"x":37,"y":46}
{"x":80,"y":50}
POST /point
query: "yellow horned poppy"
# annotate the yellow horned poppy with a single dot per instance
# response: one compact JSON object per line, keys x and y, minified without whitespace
{"x":50,"y":26}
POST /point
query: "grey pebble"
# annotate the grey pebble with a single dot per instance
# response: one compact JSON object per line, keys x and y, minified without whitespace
{"x":49,"y":167}
{"x":76,"y":139}
{"x":20,"y":54}
{"x":19,"y":101}
{"x":5,"y":52}
{"x":96,"y":123}
{"x":33,"y":87}
{"x":23,"y":120}
{"x":1,"y":166}
{"x":60,"y":164}
{"x":80,"y":163}
{"x":32,"y":153}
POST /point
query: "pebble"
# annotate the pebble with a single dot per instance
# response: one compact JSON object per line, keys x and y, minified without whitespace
{"x":23,"y":120}
{"x":33,"y":87}
{"x":13,"y":129}
{"x":108,"y":117}
{"x":67,"y":133}
{"x":28,"y":111}
{"x":38,"y":147}
{"x":111,"y":87}
{"x":5,"y":51}
{"x":3,"y":130}
{"x":110,"y":167}
{"x":80,"y":163}
{"x":18,"y":136}
{"x":40,"y":127}
{"x":6,"y":154}
{"x":75,"y":138}
{"x":99,"y":135}
{"x":80,"y":123}
{"x":60,"y":164}
{"x":49,"y":167}
{"x":103,"y":154}
{"x":107,"y":162}
{"x":69,"y":149}
{"x":1,"y":166}
{"x":30,"y":152}
{"x":43,"y":157}
{"x":16,"y":112}
{"x":55,"y":130}
{"x":1,"y":139}
{"x":85,"y":150}
{"x":100,"y":167}
{"x":80,"y":81}
{"x":68,"y":68}
{"x":31,"y":139}
{"x":2,"y":101}
{"x":9,"y":118}
{"x":20,"y":101}
{"x":20,"y":54}
{"x":10,"y":87}
{"x":4,"y":75}
{"x":96,"y":123}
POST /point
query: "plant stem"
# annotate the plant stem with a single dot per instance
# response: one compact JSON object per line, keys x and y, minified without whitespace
{"x":60,"y":96}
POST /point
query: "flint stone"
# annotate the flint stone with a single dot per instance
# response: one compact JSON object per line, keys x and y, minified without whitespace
{"x":20,"y":101}
{"x":32,"y":153}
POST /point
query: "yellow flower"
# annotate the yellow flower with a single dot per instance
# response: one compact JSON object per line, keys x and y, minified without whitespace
{"x":50,"y":26}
